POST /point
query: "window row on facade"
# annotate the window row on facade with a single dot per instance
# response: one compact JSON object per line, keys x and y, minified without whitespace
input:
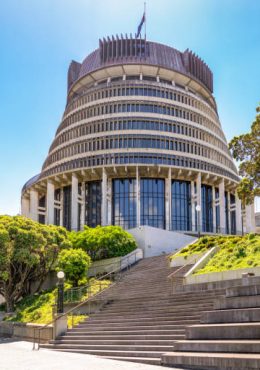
{"x":138,"y":141}
{"x":138,"y":158}
{"x":152,"y":206}
{"x":138,"y":124}
{"x":139,"y":107}
{"x":94,"y":94}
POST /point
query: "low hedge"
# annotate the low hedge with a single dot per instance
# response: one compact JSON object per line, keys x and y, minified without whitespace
{"x":103,"y":241}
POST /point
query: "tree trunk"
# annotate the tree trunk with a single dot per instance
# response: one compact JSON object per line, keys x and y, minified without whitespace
{"x":9,"y":304}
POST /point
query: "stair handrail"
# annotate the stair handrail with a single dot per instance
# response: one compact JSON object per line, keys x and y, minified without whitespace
{"x":119,"y":267}
{"x":77,"y":306}
{"x":171,"y":275}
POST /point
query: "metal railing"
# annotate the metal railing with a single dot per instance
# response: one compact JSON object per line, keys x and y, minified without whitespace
{"x":181,"y":277}
{"x":114,"y":275}
{"x":76,"y":294}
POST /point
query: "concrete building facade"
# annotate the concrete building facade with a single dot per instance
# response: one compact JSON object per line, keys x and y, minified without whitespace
{"x":139,"y":143}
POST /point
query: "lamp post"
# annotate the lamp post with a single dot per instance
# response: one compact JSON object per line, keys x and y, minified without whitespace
{"x":60,"y":285}
{"x":198,"y":209}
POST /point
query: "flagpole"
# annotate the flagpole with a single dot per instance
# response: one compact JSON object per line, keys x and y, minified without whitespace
{"x":145,"y":19}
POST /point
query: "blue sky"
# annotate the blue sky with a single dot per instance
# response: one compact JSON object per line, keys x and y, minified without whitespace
{"x":39,"y":39}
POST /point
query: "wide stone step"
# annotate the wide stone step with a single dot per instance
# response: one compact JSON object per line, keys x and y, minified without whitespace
{"x":164,"y":302}
{"x":151,"y":354}
{"x":109,"y":347}
{"x":234,"y":315}
{"x":175,"y":296}
{"x":155,"y":316}
{"x":141,"y":360}
{"x":137,"y":323}
{"x":81,"y":340}
{"x":150,"y":336}
{"x":216,"y":361}
{"x":142,"y":320}
{"x":233,"y":346}
{"x":169,"y":308}
{"x":127,"y":331}
{"x":237,"y":302}
{"x":224,"y":331}
{"x":129,"y":327}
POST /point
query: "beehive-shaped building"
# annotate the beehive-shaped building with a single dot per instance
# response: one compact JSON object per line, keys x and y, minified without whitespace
{"x":139,"y":143}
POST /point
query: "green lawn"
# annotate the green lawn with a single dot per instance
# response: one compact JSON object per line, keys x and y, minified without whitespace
{"x":235,"y":252}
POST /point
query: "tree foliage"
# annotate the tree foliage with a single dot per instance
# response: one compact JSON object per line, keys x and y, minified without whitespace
{"x":75,"y":264}
{"x":246,"y":149}
{"x":104,"y":241}
{"x":28,"y":252}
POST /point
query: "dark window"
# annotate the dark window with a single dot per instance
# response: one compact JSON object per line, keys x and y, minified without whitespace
{"x":152,"y":202}
{"x":233,"y":222}
{"x":93,"y":203}
{"x":124,"y":203}
{"x":207,"y":210}
{"x":67,"y":207}
{"x":227,"y":212}
{"x":56,"y":216}
{"x":181,"y":205}
{"x":233,"y":215}
{"x":57,"y":197}
{"x":42,"y":203}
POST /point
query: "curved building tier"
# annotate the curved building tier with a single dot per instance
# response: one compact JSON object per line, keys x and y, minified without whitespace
{"x":139,"y":143}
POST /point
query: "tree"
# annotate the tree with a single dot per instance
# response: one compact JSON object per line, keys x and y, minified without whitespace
{"x":104,"y":241}
{"x":28,"y":252}
{"x":246,"y":149}
{"x":75,"y":264}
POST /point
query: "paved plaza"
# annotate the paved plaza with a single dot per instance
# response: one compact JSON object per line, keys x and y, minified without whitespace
{"x":18,"y":355}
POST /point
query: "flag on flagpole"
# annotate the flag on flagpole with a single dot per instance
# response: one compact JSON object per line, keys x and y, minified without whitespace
{"x":140,"y":26}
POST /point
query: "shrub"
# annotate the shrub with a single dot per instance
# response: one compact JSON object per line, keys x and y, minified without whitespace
{"x":251,"y":236}
{"x":104,"y":242}
{"x":28,"y":252}
{"x":75,"y":264}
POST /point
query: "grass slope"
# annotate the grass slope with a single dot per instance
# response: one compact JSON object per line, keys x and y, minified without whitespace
{"x":38,"y":308}
{"x":235,"y":252}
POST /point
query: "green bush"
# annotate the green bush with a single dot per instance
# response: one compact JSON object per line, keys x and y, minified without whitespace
{"x":103,"y":241}
{"x":28,"y":252}
{"x":75,"y":264}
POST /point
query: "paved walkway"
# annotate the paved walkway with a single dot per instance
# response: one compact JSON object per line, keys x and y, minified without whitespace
{"x":18,"y":355}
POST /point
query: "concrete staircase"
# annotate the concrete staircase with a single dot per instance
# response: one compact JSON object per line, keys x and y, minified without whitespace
{"x":143,"y":318}
{"x":227,"y":338}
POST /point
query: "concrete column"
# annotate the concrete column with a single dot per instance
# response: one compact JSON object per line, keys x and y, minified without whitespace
{"x":229,"y":213}
{"x":138,"y":203}
{"x":238,"y":215}
{"x":104,"y":199}
{"x":83,"y":207}
{"x":61,"y":206}
{"x":74,"y":202}
{"x":25,"y":207}
{"x":214,"y":209}
{"x":193,"y":205}
{"x":109,"y":201}
{"x":222,"y":206}
{"x":34,"y":199}
{"x":253,"y":223}
{"x":168,"y":202}
{"x":250,"y":218}
{"x":50,"y":203}
{"x":198,"y":182}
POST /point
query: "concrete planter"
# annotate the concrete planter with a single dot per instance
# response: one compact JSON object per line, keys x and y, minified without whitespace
{"x":25,"y":331}
{"x":189,"y":260}
{"x":221,"y":276}
{"x":114,"y":264}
